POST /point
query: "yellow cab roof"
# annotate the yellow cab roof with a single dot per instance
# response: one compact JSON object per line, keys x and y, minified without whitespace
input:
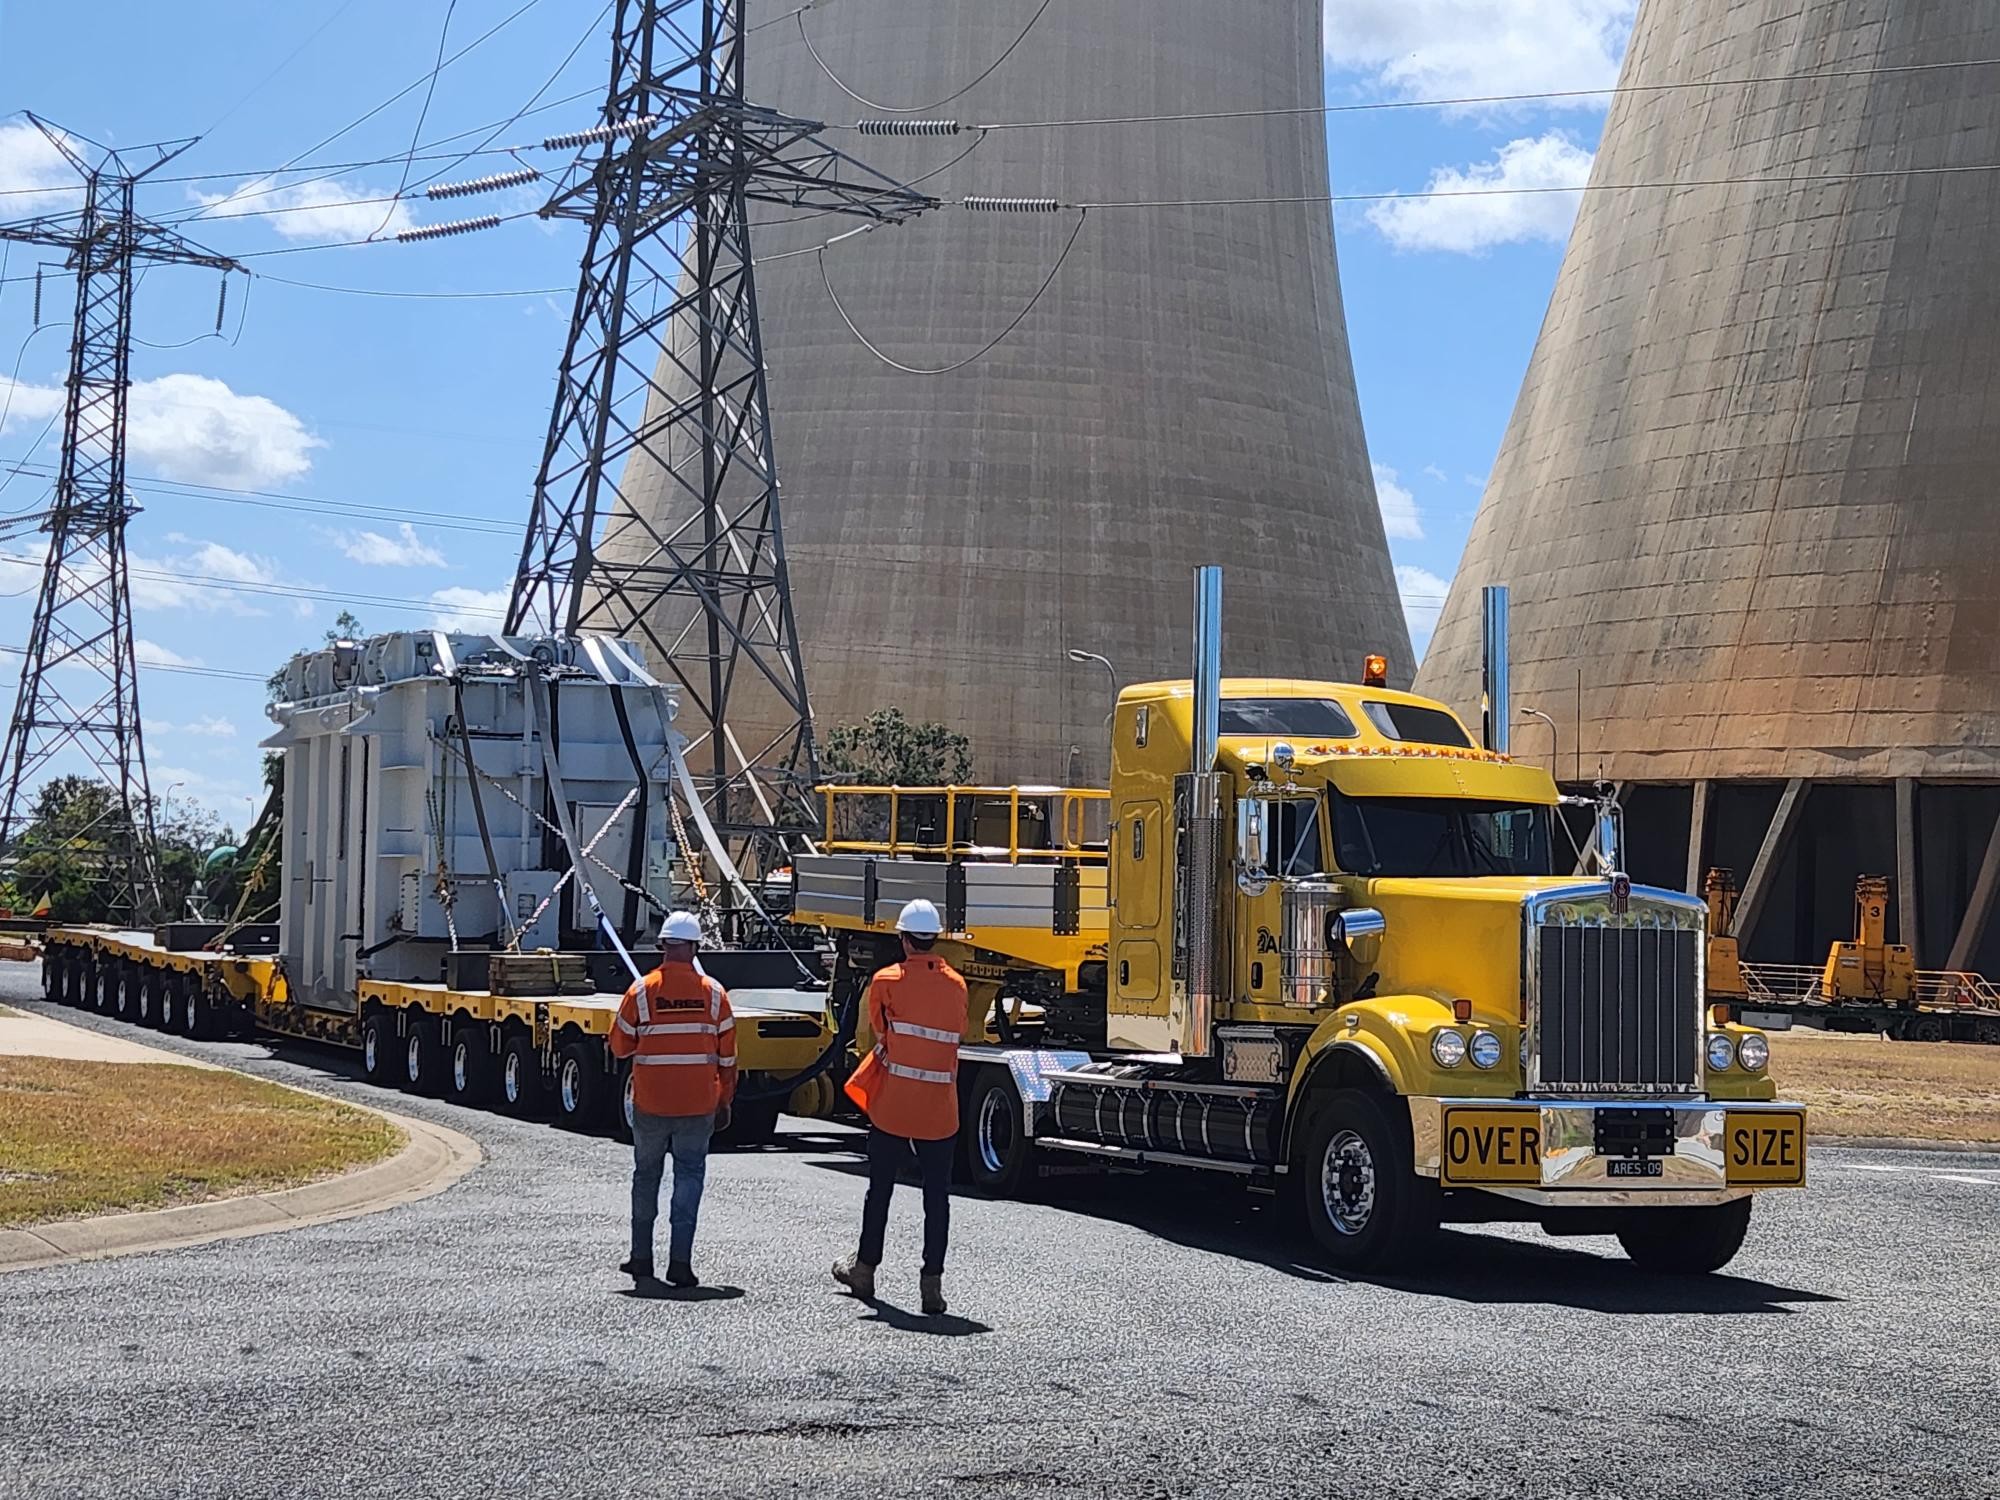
{"x":1367,"y":763}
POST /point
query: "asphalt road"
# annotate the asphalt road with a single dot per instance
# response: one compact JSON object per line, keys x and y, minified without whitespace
{"x":1122,"y":1338}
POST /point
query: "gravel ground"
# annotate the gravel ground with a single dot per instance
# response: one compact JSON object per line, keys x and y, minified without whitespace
{"x":1119,"y":1338}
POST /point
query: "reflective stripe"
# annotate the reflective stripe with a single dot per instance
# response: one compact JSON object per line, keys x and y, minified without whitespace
{"x":928,"y":1033}
{"x":727,"y":1062}
{"x":920,"y":1075}
{"x":728,"y":1025}
{"x":678,"y":1028}
{"x":626,"y":1027}
{"x":672,"y":1059}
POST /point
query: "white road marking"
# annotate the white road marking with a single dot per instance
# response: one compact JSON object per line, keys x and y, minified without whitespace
{"x":1974,"y":1181}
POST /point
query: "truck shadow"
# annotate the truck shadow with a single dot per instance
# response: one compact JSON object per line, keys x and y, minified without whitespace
{"x":1223,"y":1220}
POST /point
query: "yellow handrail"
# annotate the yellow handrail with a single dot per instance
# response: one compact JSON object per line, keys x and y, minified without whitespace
{"x":1069,"y":807}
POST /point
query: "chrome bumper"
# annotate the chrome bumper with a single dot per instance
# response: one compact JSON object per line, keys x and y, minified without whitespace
{"x":1572,"y":1171}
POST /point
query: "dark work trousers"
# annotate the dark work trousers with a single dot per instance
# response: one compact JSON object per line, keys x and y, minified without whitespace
{"x":886,"y":1155}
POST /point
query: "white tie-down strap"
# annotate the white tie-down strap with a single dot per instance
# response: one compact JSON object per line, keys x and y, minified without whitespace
{"x":917,"y":1075}
{"x":928,"y":1033}
{"x":675,"y":1060}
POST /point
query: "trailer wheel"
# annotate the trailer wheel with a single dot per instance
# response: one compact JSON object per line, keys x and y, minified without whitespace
{"x":197,"y":1011}
{"x":125,"y":1004}
{"x":1365,"y":1205}
{"x":379,"y":1053}
{"x":579,"y":1085}
{"x":999,"y":1156}
{"x":1987,"y":1031}
{"x":422,"y":1056}
{"x":470,"y":1076}
{"x":752,"y":1123}
{"x":621,"y":1117}
{"x":520,"y":1075}
{"x":1926,"y":1029}
{"x":104,"y":999}
{"x":167,"y":1002}
{"x":1686,"y":1241}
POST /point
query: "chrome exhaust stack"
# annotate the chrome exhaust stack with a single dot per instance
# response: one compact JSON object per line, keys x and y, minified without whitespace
{"x":1496,"y":708}
{"x":1198,"y":932}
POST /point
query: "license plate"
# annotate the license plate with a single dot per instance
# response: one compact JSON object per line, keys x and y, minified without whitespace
{"x":1767,"y":1146}
{"x":1644,"y":1166}
{"x":1492,"y":1145}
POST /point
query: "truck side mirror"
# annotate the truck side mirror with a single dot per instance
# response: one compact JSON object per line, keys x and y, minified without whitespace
{"x":1253,"y":860}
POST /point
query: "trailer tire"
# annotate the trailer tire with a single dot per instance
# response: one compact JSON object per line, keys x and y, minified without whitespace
{"x":1926,"y":1029}
{"x":1686,"y":1241}
{"x":469,"y":1074}
{"x":379,"y":1052}
{"x":623,"y":1110}
{"x":423,"y":1057}
{"x":167,"y":1003}
{"x":197,"y":1012}
{"x":999,"y":1157}
{"x":579,"y":1085}
{"x":1987,"y":1031}
{"x":104,"y":999}
{"x":752,"y":1123}
{"x":520,"y":1075}
{"x":1365,"y":1206}
{"x":125,"y":1005}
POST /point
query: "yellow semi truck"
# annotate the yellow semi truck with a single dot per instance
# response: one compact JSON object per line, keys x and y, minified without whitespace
{"x":1317,"y":937}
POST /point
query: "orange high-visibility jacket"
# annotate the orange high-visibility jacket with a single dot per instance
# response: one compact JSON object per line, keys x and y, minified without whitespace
{"x":908,"y":1085}
{"x":678,"y":1030}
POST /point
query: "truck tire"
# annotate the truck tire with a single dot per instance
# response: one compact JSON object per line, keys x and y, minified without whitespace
{"x":104,"y":999}
{"x":1926,"y":1029}
{"x":520,"y":1076}
{"x":580,"y":1085}
{"x":59,"y":977}
{"x":469,"y":1068}
{"x":197,"y":1011}
{"x":1365,"y":1206}
{"x":167,"y":1003}
{"x":126,"y":1004}
{"x":381,"y":1056}
{"x":423,"y":1056}
{"x":1686,"y":1241}
{"x":999,"y":1157}
{"x":621,"y":1116}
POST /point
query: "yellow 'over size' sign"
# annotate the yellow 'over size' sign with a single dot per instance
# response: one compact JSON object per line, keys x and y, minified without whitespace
{"x":1492,"y":1145}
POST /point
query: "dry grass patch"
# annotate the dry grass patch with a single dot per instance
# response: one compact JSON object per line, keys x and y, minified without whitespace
{"x":90,"y":1137}
{"x":1863,"y":1085}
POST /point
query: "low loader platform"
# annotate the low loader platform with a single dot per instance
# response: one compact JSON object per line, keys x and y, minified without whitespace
{"x":522,"y":1052}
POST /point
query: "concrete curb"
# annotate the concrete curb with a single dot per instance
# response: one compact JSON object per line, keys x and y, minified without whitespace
{"x":433,"y":1158}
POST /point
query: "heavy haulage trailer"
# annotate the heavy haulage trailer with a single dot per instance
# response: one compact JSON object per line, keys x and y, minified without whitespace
{"x":454,"y":804}
{"x":1313,"y":936}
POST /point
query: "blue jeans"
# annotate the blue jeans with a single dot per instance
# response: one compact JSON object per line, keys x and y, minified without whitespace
{"x":653,"y":1136}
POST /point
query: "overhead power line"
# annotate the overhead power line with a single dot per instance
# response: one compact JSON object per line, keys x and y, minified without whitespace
{"x":160,"y":666}
{"x":917,"y":109}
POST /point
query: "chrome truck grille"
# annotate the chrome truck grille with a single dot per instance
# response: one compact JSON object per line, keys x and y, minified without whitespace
{"x":1614,"y":998}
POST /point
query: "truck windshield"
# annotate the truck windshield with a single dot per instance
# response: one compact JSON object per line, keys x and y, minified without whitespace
{"x":1439,"y":836}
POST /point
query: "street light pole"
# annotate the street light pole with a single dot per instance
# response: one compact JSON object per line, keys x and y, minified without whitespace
{"x":1555,"y":735}
{"x":1110,"y":671}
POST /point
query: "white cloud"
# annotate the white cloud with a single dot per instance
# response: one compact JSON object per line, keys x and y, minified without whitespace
{"x":1423,"y":597}
{"x":1526,"y":172}
{"x":1455,"y":49}
{"x":180,"y":581}
{"x":21,"y":404}
{"x":199,"y":431}
{"x":208,"y":726}
{"x":153,"y":654}
{"x":482,"y":610}
{"x":330,"y":210}
{"x":1400,"y":520}
{"x":33,"y":173}
{"x":404,"y":550}
{"x":1432,"y":471}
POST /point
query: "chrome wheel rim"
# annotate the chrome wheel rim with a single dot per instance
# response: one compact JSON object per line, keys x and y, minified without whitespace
{"x":1347,"y":1182}
{"x":510,"y":1077}
{"x":995,"y":1135}
{"x":460,"y":1065}
{"x":628,"y":1105}
{"x":572,"y":1083}
{"x":413,"y":1058}
{"x":371,"y":1049}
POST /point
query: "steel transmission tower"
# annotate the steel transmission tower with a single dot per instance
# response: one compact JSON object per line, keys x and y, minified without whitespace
{"x":664,"y":368}
{"x":79,"y":680}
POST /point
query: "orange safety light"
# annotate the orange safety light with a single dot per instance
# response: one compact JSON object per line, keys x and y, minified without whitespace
{"x":1375,"y":671}
{"x":1461,"y":1011}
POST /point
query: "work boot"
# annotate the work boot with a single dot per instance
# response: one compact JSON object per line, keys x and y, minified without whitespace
{"x":857,"y":1276}
{"x":637,"y":1269}
{"x":680,"y":1273}
{"x":932,"y":1288}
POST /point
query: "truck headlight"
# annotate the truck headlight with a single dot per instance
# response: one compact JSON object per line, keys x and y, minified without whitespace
{"x":1721,"y":1052}
{"x":1448,"y":1048}
{"x":1486,"y":1050}
{"x":1754,"y":1053}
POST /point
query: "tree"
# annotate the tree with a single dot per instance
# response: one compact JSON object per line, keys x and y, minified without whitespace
{"x":73,"y":833}
{"x":886,"y":749}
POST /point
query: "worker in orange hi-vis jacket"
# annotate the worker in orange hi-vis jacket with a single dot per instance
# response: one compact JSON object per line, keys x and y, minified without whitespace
{"x":677,"y":1029}
{"x":908,"y":1087}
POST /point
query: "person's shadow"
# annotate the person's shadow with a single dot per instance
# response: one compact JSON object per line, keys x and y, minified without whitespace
{"x":652,"y":1289}
{"x":938,"y":1325}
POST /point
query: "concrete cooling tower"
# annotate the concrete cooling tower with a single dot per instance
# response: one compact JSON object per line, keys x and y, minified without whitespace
{"x":1181,"y":394}
{"x":1747,"y":498}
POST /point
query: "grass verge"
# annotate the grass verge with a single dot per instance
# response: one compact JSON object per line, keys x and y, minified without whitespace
{"x":1862,"y":1085}
{"x":89,"y":1137}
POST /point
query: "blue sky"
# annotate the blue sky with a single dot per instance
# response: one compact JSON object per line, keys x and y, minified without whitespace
{"x":376,"y":453}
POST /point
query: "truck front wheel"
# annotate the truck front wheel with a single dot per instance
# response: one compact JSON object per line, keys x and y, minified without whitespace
{"x":1686,"y":1241}
{"x":1365,"y":1206}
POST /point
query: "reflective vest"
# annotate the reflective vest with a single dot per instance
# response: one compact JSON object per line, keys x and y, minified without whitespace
{"x":678,"y":1030}
{"x":908,"y":1085}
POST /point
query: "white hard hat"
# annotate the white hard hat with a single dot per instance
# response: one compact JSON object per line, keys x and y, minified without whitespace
{"x":681,"y":927}
{"x":921,"y":918}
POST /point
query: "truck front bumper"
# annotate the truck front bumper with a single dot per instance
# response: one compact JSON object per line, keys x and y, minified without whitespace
{"x":1609,"y":1152}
